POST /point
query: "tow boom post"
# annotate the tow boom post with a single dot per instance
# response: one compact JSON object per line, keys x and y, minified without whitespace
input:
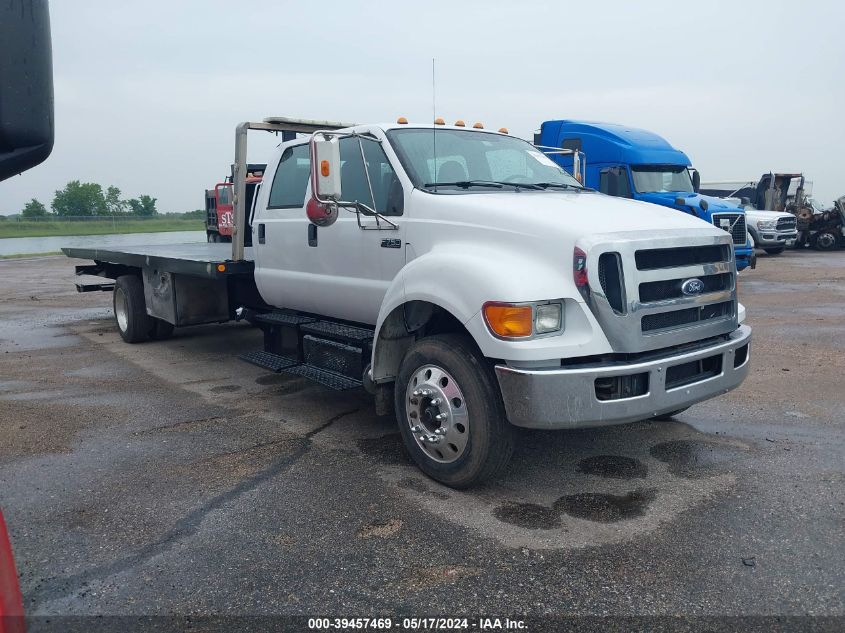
{"x":289,"y":128}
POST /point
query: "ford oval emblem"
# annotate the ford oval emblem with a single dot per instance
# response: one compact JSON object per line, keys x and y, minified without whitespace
{"x":692,"y":287}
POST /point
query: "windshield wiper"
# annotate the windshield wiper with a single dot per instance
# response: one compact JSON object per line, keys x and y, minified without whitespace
{"x":559,"y":185}
{"x":465,"y":184}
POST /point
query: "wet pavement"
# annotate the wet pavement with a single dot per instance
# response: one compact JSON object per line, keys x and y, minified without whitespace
{"x":170,"y":477}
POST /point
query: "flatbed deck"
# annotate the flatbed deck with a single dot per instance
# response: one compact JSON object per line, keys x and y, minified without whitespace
{"x":198,"y":259}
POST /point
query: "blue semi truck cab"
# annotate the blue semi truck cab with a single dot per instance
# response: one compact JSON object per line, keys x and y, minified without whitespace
{"x":633,"y":163}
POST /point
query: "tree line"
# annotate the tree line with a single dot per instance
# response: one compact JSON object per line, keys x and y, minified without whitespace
{"x":89,"y":199}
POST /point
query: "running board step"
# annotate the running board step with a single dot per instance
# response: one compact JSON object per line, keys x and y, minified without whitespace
{"x":283,"y":318}
{"x":268,"y":360}
{"x":338,"y":332}
{"x":326,"y":378}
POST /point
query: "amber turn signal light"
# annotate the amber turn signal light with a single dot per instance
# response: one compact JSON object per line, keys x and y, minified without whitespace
{"x":508,"y":320}
{"x":324,"y":168}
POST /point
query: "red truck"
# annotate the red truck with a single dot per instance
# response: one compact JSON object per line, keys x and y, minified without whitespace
{"x":219,"y":209}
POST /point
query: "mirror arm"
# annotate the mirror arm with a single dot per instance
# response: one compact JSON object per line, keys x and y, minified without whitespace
{"x":367,"y":174}
{"x":362,"y":208}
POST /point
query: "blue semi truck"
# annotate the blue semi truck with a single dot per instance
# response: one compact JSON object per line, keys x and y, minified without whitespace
{"x":633,"y":163}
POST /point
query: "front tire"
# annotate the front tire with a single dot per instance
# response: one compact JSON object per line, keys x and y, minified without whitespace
{"x":450,"y":412}
{"x":130,"y":309}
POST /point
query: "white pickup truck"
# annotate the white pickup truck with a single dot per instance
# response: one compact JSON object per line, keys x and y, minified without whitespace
{"x":773,"y":231}
{"x":463,"y":278}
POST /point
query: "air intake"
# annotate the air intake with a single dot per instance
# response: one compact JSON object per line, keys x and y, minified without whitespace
{"x":611,"y":280}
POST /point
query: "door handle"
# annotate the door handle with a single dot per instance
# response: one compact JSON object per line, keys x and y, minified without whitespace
{"x":312,"y":235}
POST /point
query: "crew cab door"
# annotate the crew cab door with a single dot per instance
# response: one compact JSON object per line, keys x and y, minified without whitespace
{"x":341,"y":271}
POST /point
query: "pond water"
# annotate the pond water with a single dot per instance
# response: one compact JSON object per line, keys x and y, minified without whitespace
{"x":19,"y":245}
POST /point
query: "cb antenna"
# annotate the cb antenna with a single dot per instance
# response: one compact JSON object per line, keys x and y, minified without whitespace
{"x":433,"y":124}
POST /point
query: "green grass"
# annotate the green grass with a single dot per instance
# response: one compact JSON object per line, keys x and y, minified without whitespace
{"x":23,"y":255}
{"x":96,"y":227}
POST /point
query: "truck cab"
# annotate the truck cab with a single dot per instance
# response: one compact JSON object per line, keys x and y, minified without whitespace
{"x":219,"y":204}
{"x":633,"y":163}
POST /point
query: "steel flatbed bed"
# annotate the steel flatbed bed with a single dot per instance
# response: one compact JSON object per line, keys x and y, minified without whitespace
{"x":198,"y":259}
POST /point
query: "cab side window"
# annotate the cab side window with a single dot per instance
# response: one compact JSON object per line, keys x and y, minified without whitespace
{"x":291,"y":179}
{"x":387,"y":190}
{"x":614,"y":182}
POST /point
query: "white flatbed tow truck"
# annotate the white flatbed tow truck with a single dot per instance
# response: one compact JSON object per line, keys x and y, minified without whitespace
{"x":461,"y":277}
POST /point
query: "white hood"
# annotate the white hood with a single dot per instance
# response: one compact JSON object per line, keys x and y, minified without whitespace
{"x":539,"y":213}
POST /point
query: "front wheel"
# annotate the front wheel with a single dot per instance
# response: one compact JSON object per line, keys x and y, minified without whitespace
{"x":450,"y":412}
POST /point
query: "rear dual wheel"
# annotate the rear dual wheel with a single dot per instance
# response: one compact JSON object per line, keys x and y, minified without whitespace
{"x":130,"y":312}
{"x":450,"y":412}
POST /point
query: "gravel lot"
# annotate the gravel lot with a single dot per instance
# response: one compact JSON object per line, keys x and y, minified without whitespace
{"x":170,"y":477}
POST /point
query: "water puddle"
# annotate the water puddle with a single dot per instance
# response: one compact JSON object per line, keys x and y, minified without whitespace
{"x":692,"y":459}
{"x":606,"y":508}
{"x":613,"y":467}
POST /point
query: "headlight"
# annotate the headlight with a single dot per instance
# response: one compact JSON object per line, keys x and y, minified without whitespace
{"x":547,"y":318}
{"x":523,"y":320}
{"x":766,"y":225}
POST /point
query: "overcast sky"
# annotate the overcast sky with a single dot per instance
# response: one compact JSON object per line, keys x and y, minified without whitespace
{"x":148,"y":93}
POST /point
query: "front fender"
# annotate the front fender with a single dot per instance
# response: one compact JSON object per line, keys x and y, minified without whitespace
{"x":461,"y":280}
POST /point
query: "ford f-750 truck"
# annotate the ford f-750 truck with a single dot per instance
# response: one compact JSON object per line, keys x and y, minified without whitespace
{"x":460,"y":276}
{"x":632,"y":163}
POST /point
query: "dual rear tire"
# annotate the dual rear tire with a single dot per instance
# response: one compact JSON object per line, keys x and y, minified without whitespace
{"x":130,"y":313}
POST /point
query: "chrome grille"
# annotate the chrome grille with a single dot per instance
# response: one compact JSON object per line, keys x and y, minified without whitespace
{"x":733,"y":223}
{"x":671,"y":288}
{"x":637,"y":297}
{"x":687,"y":316}
{"x":787,"y":224}
{"x":655,"y":258}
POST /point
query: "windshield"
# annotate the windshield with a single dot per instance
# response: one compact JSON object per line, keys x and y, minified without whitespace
{"x":475,"y":161}
{"x":661,"y":178}
{"x":224,"y":195}
{"x":817,"y":206}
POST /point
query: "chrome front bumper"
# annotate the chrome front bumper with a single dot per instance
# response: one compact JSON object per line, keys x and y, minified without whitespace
{"x":566,"y":398}
{"x":775,"y":238}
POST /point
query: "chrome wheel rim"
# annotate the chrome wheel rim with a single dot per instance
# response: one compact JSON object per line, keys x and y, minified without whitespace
{"x":436,"y":413}
{"x":826,"y":240}
{"x":121,"y":309}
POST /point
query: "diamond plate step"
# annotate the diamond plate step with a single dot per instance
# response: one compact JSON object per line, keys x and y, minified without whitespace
{"x":283,"y":318}
{"x":268,"y":360}
{"x":338,"y":331}
{"x":326,"y":378}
